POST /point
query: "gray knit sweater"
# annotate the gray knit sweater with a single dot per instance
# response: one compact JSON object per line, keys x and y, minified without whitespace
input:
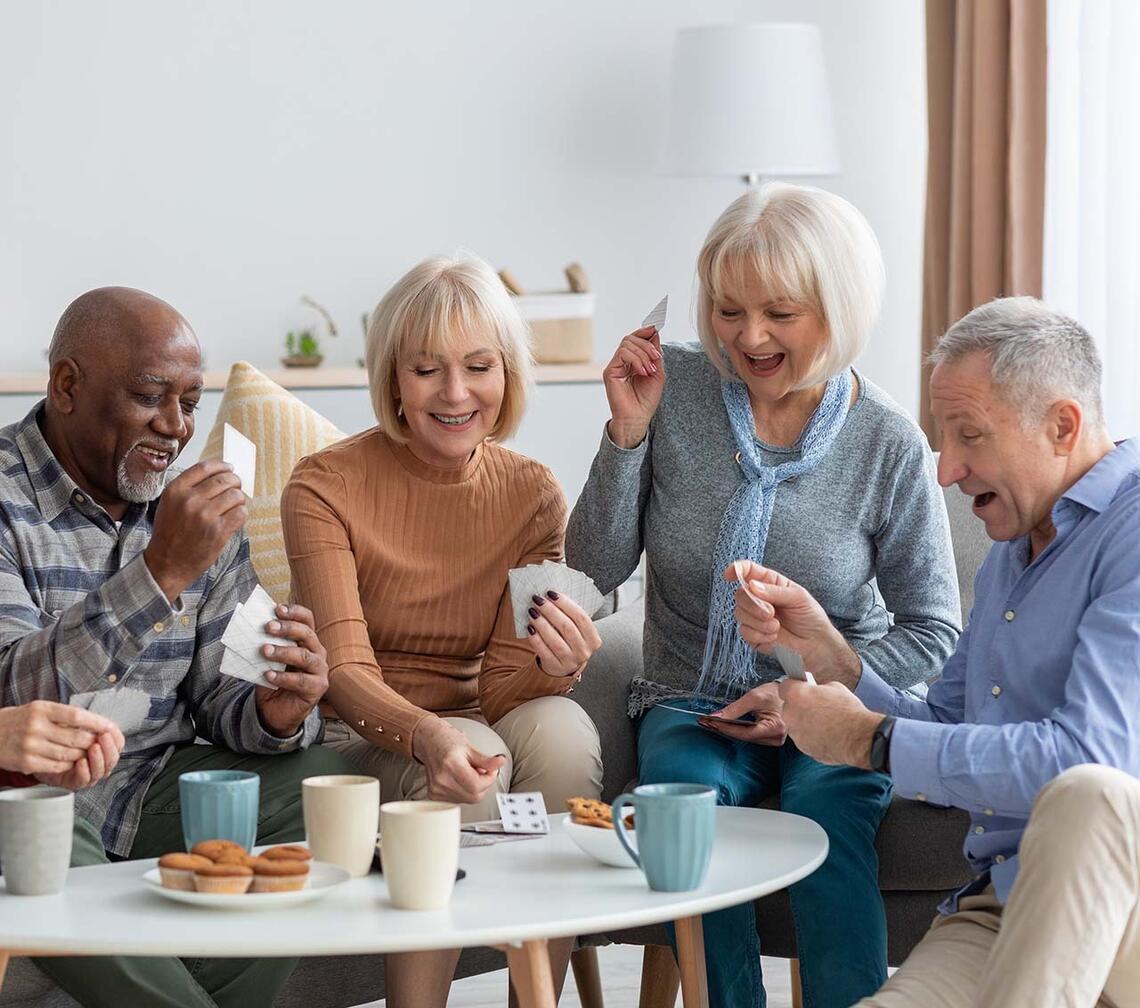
{"x":865,"y":531}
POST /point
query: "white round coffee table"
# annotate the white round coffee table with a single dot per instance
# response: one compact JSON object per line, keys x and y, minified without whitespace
{"x":517,"y":895}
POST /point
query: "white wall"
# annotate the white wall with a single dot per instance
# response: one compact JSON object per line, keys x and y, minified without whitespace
{"x":231,"y":156}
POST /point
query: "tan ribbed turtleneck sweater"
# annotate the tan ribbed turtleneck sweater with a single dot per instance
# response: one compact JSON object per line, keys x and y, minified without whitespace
{"x":405,"y":568}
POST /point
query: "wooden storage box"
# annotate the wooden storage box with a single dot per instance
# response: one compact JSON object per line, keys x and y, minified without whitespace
{"x":561,"y":326}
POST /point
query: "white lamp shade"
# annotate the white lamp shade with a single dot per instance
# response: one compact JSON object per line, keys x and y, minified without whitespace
{"x":750,"y":99}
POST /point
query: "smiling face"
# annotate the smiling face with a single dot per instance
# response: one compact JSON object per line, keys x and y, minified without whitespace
{"x":122,"y":399}
{"x":1015,"y":473}
{"x":773,"y":343}
{"x":451,"y":399}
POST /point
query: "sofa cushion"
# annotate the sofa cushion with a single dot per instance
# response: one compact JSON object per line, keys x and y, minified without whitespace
{"x":284,"y":429}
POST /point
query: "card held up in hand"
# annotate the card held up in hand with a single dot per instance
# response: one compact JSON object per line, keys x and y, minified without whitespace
{"x":241,"y":453}
{"x":524,"y":812}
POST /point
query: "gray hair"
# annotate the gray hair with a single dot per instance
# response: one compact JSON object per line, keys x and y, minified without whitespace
{"x":1037,"y":356}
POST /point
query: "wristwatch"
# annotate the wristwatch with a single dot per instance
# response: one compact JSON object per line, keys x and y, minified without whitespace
{"x":881,"y":745}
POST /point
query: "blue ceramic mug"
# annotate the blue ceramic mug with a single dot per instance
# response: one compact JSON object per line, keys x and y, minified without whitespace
{"x":675,"y":825}
{"x":219,"y":805}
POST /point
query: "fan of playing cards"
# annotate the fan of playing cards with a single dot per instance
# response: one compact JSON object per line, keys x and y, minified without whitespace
{"x":245,"y":636}
{"x":538,"y":579}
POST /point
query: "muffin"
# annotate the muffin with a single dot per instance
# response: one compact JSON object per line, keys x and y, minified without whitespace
{"x":223,"y":878}
{"x":288,"y":852}
{"x":212,"y":848}
{"x":232,"y":855}
{"x":177,"y":869}
{"x":279,"y":874}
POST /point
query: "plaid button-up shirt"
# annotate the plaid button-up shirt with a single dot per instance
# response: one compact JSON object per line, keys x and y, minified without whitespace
{"x":80,"y":612}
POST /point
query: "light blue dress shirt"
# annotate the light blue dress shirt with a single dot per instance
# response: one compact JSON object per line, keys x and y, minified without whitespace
{"x":1045,"y":676}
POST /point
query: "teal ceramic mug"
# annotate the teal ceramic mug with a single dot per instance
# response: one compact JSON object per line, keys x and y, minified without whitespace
{"x":219,"y":805}
{"x":675,"y":824}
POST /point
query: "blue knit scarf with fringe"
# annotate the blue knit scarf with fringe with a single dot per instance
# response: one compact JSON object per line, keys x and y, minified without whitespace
{"x":729,"y":665}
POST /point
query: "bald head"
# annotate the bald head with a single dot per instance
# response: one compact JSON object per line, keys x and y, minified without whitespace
{"x":109,"y":322}
{"x":126,"y":377}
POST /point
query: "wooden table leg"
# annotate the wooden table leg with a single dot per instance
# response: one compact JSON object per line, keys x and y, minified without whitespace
{"x":660,"y":980}
{"x":530,"y":974}
{"x":587,"y":977}
{"x":4,"y":956}
{"x":691,"y":961}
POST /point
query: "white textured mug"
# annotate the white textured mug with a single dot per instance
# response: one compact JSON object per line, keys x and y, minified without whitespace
{"x":419,"y":846}
{"x":341,"y":812}
{"x":35,"y":839}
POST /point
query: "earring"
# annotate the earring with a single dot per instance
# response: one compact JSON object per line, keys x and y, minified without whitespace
{"x":399,"y":410}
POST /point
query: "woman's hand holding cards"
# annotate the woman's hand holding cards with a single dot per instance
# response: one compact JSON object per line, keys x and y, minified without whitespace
{"x":561,"y":634}
{"x":764,"y":702}
{"x":456,"y":771}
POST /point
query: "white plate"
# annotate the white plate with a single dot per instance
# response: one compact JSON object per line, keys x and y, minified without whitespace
{"x":601,"y":844}
{"x":323,"y":877}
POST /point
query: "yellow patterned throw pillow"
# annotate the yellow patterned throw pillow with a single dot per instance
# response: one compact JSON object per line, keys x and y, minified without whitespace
{"x":284,"y":430}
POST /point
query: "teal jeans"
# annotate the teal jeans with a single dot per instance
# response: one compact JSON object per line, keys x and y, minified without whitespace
{"x":145,"y":982}
{"x":841,"y":929}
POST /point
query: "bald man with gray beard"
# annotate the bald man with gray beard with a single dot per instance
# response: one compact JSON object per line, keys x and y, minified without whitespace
{"x":118,"y":576}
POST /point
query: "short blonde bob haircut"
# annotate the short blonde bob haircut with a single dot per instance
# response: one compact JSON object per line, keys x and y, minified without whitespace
{"x":806,"y":246}
{"x":427,"y":311}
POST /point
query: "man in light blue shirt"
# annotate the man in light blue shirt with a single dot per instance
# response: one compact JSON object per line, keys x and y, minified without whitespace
{"x":1046,"y":677}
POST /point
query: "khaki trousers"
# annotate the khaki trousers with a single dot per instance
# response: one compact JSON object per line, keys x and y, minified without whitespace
{"x":550,"y":743}
{"x":1069,"y":935}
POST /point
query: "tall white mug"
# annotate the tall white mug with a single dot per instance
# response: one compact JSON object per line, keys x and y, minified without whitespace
{"x":419,"y":845}
{"x":341,"y":812}
{"x":35,"y":839}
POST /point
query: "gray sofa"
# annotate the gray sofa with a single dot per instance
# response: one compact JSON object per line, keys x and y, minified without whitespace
{"x":920,"y":846}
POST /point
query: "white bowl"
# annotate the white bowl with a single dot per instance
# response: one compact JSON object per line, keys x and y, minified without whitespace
{"x":601,"y":844}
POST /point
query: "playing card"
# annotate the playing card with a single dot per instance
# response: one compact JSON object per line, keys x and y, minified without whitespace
{"x":244,"y":637}
{"x":792,"y":664}
{"x":524,"y":812}
{"x":241,"y":453}
{"x":746,"y":721}
{"x":127,"y":707}
{"x":656,"y":318}
{"x":538,"y":579}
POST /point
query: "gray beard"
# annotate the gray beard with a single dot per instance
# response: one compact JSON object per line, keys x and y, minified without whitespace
{"x":139,"y":491}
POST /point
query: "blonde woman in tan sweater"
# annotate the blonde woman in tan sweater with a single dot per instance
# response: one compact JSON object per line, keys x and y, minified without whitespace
{"x":400,"y":539}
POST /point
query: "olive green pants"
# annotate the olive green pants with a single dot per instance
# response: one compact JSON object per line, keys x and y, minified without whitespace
{"x":145,"y":982}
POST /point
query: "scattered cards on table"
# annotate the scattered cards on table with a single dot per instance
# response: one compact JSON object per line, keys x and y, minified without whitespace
{"x":241,"y":453}
{"x":538,"y":579}
{"x":656,"y":318}
{"x":244,"y":637}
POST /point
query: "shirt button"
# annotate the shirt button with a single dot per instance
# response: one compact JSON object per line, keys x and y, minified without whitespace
{"x":78,"y":498}
{"x":1009,"y":614}
{"x":362,"y":724}
{"x":979,"y":830}
{"x":920,"y":796}
{"x":379,"y":728}
{"x":996,"y":691}
{"x":112,"y":678}
{"x":999,"y":858}
{"x":159,"y":627}
{"x":988,"y":811}
{"x":185,"y":621}
{"x":397,"y":736}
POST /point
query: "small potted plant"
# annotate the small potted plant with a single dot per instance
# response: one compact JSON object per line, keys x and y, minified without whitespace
{"x":303,"y":346}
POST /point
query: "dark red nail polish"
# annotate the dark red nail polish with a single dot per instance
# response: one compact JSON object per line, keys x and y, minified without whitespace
{"x":538,"y":600}
{"x":530,"y":629}
{"x":552,"y":595}
{"x":533,"y":612}
{"x":538,"y":661}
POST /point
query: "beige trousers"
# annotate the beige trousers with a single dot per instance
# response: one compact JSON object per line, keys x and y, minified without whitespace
{"x":550,"y":743}
{"x":1069,"y":935}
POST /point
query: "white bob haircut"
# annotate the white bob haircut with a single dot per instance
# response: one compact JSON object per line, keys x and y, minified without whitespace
{"x":806,"y":246}
{"x":427,"y":311}
{"x":1037,"y":356}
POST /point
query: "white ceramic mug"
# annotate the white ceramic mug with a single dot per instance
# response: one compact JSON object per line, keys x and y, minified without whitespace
{"x":35,"y":839}
{"x":419,"y":845}
{"x":341,"y":812}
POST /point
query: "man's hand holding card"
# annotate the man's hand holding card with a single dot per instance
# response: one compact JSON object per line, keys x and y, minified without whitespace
{"x":553,"y":608}
{"x":276,"y":648}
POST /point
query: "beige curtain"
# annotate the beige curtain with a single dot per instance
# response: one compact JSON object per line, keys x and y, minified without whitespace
{"x":985,"y":184}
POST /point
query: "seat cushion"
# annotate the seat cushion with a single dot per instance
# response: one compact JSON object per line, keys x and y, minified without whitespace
{"x":284,"y":430}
